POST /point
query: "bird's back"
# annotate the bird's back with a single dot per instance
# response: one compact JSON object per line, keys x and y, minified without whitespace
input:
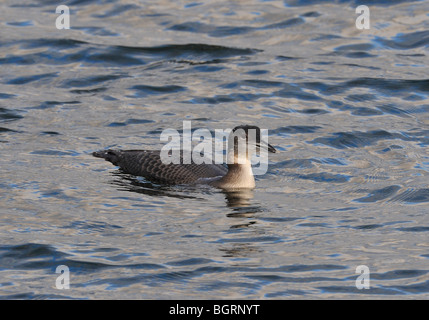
{"x":148,"y":164}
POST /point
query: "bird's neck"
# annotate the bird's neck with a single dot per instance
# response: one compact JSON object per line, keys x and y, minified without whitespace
{"x":238,"y":176}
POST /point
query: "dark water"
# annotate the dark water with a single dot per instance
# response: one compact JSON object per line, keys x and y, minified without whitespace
{"x":348,"y":110}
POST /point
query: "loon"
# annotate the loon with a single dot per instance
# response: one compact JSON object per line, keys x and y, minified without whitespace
{"x":148,"y":164}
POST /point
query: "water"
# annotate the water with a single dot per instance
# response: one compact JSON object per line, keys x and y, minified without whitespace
{"x":347,"y":109}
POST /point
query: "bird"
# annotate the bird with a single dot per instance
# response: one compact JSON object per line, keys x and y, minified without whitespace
{"x":237,"y":175}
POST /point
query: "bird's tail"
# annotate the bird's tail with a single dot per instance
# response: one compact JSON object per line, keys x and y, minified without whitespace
{"x":108,"y":155}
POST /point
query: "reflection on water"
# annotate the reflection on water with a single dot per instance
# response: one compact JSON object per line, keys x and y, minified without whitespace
{"x":239,"y":198}
{"x":125,"y":182}
{"x":348,"y":108}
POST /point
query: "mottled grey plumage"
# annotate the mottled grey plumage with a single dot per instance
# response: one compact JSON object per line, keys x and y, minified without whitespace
{"x":148,"y":164}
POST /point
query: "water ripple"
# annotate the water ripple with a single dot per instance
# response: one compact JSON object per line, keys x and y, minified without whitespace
{"x":357,"y":139}
{"x":227,"y":31}
{"x":405,"y":41}
{"x":67,"y":51}
{"x":346,"y":109}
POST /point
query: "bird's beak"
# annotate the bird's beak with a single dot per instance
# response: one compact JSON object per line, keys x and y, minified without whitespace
{"x":269,"y":147}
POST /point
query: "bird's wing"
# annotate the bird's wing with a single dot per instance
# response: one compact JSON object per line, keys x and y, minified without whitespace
{"x":149,"y":165}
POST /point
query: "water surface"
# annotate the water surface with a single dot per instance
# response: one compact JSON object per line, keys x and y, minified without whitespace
{"x":347,"y":109}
